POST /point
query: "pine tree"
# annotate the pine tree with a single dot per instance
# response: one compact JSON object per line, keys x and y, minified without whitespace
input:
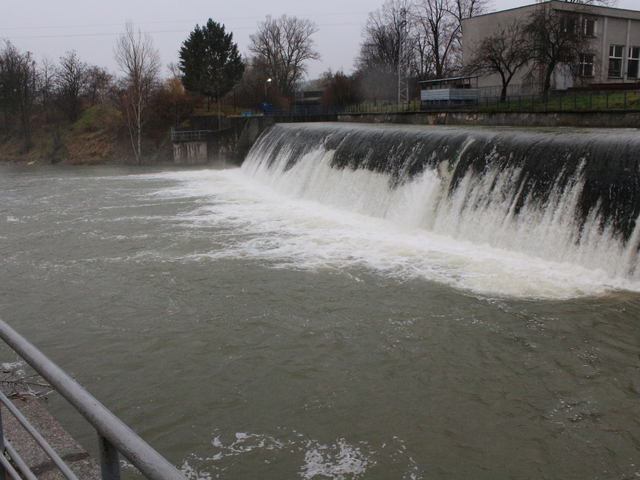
{"x":209,"y":61}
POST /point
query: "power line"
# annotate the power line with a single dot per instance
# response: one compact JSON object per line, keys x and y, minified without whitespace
{"x":110,"y":34}
{"x":191,"y":22}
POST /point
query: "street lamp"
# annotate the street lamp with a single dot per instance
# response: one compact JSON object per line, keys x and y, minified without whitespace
{"x":265,"y":89}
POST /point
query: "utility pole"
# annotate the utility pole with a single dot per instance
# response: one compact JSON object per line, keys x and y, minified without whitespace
{"x":403,"y":74}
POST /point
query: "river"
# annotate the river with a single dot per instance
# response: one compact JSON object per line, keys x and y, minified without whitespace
{"x":248,"y":334}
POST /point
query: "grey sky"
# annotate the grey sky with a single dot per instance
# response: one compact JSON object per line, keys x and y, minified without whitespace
{"x":90,"y":28}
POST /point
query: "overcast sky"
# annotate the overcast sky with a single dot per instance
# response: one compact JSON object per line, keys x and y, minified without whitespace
{"x":52,"y":28}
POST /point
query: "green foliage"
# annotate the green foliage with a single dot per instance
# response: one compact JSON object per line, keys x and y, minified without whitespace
{"x":209,"y":61}
{"x":99,"y":118}
{"x":93,"y":138}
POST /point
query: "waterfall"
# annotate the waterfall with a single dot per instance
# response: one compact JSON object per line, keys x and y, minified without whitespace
{"x":562,"y":196}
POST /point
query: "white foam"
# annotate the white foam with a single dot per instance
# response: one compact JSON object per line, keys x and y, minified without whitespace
{"x":338,"y":461}
{"x":192,"y":473}
{"x":264,"y":224}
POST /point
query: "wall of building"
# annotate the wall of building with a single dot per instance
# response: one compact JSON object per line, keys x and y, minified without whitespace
{"x":614,"y":26}
{"x":475,"y":29}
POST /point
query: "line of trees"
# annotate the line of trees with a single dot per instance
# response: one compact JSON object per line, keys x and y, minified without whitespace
{"x":420,"y":40}
{"x":412,"y":40}
{"x":416,"y":40}
{"x":42,"y":102}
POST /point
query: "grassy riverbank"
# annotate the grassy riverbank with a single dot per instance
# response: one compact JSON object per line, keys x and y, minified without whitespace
{"x":99,"y":136}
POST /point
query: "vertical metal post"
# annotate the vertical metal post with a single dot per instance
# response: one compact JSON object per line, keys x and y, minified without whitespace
{"x":3,"y":475}
{"x":109,"y":459}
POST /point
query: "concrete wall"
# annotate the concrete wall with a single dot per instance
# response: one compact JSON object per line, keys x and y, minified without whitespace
{"x":190,"y":153}
{"x":231,"y":144}
{"x":538,"y":119}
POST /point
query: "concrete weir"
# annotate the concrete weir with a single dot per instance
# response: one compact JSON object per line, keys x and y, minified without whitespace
{"x":226,"y":145}
{"x":232,"y":143}
{"x":599,"y":119}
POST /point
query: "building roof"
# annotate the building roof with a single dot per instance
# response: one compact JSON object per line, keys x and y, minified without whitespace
{"x":570,"y":6}
{"x":448,"y":79}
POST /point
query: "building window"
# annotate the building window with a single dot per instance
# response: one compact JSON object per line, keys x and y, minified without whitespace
{"x":570,"y":24}
{"x":585,"y":67}
{"x":615,"y":61}
{"x":633,"y":64}
{"x":589,"y":27}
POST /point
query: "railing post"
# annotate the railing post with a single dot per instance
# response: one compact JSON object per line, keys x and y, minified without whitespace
{"x":3,"y":475}
{"x":109,"y":459}
{"x":133,"y":448}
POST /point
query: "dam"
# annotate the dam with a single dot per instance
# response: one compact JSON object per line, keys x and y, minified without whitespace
{"x":353,"y":302}
{"x":559,"y":195}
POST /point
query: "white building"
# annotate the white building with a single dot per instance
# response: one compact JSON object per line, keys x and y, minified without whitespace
{"x":612,"y":48}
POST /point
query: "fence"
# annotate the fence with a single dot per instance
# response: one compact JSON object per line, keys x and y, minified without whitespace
{"x":299,"y":110}
{"x":114,"y":436}
{"x":558,"y":101}
{"x":570,"y":102}
{"x":189,"y":136}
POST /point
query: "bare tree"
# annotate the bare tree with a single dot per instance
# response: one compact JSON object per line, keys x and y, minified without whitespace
{"x":609,"y":3}
{"x":441,"y":31}
{"x":100,"y":86}
{"x":285,"y":46}
{"x":72,"y":77}
{"x":338,"y":89}
{"x":503,"y":53}
{"x":461,"y":9}
{"x":556,"y":40}
{"x":424,"y":36}
{"x":140,"y":62}
{"x":388,"y":45}
{"x":383,"y":34}
{"x":18,"y":87}
{"x":46,"y":88}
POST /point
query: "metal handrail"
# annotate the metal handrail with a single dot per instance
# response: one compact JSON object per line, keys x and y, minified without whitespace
{"x":51,"y":453}
{"x":114,"y":435}
{"x":189,"y":135}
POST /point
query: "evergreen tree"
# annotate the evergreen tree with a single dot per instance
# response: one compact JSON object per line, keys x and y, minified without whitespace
{"x":209,"y":61}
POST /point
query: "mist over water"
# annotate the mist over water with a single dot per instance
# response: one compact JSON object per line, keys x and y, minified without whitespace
{"x":313,"y":321}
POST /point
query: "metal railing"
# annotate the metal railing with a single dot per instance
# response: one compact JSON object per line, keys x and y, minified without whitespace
{"x":595,"y":101}
{"x":114,"y":437}
{"x":299,"y":110}
{"x":559,"y":101}
{"x":189,"y":135}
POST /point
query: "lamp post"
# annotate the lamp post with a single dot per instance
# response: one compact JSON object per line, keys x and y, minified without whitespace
{"x":265,"y":89}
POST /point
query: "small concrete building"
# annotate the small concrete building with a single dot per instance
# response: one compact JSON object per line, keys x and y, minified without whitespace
{"x":458,"y":91}
{"x":611,"y":57}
